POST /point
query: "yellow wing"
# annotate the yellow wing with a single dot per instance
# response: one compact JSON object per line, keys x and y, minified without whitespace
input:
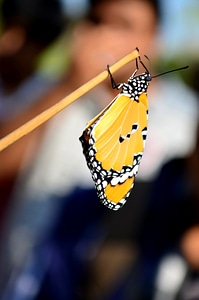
{"x":117,"y":122}
{"x":113,"y":143}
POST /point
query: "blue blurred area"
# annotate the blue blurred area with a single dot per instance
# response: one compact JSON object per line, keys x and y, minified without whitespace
{"x":180,"y":27}
{"x":75,"y":8}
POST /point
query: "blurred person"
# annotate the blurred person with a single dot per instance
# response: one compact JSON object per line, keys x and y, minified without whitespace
{"x":113,"y":29}
{"x":169,"y":258}
{"x":47,"y":163}
{"x":39,"y":181}
{"x":26,"y":32}
{"x":174,"y":209}
{"x":104,"y":38}
{"x":28,"y":28}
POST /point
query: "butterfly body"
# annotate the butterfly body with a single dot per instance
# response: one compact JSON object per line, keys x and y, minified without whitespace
{"x":113,"y":141}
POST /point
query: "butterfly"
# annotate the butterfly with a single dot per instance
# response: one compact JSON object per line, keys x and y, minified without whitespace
{"x":113,"y":142}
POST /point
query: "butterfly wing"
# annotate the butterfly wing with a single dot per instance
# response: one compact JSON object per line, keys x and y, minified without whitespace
{"x":113,"y":143}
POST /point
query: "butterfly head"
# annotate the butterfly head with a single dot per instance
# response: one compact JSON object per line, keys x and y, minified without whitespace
{"x":146,"y":76}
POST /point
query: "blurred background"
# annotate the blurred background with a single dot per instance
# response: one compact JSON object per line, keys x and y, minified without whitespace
{"x":57,"y":241}
{"x":178,"y":27}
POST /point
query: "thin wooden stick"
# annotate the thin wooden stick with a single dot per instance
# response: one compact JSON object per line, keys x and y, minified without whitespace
{"x":53,"y":110}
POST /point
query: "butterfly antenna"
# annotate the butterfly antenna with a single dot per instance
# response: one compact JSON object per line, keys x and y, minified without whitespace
{"x":170,"y":71}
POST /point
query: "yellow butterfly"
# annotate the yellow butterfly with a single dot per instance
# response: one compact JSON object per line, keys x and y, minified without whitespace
{"x":113,"y":142}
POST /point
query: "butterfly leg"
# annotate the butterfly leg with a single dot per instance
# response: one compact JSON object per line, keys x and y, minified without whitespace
{"x":113,"y":83}
{"x":141,"y":62}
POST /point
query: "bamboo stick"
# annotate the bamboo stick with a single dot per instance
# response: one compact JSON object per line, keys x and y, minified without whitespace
{"x":53,"y":110}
